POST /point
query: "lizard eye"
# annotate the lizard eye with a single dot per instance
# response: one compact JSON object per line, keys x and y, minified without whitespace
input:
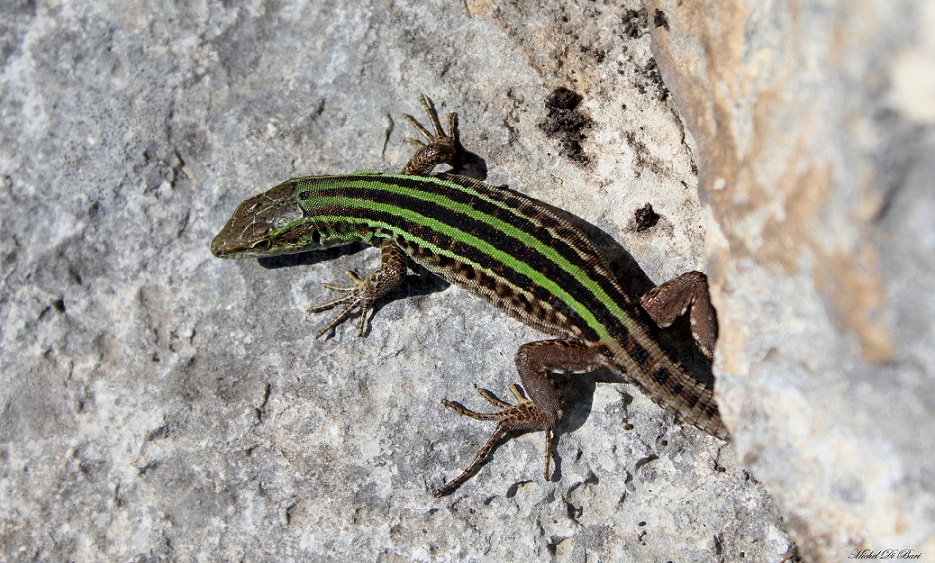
{"x":261,"y":245}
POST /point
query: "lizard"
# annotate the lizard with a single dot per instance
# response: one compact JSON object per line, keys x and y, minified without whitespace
{"x":505,"y":247}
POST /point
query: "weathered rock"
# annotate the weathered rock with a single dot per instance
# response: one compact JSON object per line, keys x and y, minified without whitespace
{"x":156,"y":402}
{"x":813,"y":123}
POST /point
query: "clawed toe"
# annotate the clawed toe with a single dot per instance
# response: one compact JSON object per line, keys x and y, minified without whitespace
{"x":356,"y":299}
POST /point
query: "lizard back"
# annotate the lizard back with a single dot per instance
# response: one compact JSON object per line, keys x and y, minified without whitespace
{"x":503,"y":246}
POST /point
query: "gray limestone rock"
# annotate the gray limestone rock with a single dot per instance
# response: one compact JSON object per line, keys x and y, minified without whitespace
{"x":158,"y":403}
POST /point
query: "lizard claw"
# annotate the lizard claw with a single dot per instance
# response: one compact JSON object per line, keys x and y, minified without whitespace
{"x":524,"y":415}
{"x":358,"y":298}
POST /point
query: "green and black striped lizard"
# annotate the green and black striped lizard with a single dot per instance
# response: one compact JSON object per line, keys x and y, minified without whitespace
{"x":504,"y":247}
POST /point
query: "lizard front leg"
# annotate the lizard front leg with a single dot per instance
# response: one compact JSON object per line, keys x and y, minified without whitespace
{"x":366,"y":291}
{"x":442,"y":148}
{"x":543,"y":410}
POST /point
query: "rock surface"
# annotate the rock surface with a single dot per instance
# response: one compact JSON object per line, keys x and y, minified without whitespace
{"x":815,"y":128}
{"x":158,"y":403}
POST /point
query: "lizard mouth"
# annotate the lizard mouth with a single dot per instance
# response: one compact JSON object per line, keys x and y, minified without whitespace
{"x":240,"y":248}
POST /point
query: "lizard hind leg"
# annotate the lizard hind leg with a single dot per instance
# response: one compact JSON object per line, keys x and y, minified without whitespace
{"x":535,"y":362}
{"x":524,"y":415}
{"x":687,"y":293}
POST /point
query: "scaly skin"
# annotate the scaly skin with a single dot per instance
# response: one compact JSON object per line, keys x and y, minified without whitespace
{"x":504,"y":247}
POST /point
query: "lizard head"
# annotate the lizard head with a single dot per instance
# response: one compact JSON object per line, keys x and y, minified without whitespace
{"x":298,"y":215}
{"x":267,"y":224}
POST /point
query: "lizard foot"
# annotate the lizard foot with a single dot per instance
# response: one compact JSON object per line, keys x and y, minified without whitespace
{"x":524,"y":415}
{"x":359,"y":297}
{"x":442,"y":148}
{"x":366,"y":291}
